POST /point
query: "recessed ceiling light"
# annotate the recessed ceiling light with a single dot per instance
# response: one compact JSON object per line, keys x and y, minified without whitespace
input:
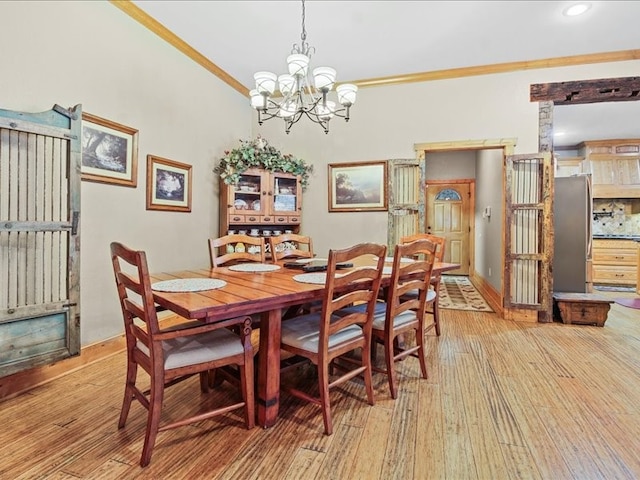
{"x":577,"y":9}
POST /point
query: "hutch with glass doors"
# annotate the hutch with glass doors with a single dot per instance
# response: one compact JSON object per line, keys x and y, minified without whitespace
{"x":261,"y":203}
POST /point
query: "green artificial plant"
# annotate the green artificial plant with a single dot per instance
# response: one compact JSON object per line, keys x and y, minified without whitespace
{"x":258,"y":153}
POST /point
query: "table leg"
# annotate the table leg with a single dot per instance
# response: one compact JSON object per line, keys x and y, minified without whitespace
{"x":268,"y":397}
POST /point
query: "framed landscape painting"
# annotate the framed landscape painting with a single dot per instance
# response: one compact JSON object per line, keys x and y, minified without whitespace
{"x":358,"y":187}
{"x":109,"y":152}
{"x":168,"y":185}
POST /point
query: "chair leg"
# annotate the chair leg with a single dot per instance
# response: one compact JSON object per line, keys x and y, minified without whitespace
{"x":436,"y":316}
{"x":368,"y":372}
{"x":153,"y":420}
{"x":204,"y":381}
{"x":421,"y":351}
{"x":325,"y":403}
{"x":130,"y":385}
{"x":390,"y":361}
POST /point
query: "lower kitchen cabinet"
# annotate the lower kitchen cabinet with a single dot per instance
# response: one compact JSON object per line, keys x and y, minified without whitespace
{"x":615,"y":262}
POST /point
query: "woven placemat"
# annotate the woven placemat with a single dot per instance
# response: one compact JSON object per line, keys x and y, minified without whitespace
{"x":188,"y":285}
{"x":318,"y":278}
{"x":402,"y":260}
{"x":254,"y":267}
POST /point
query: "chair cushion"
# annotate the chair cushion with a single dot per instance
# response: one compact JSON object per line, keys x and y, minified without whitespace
{"x":403,"y":318}
{"x":194,"y":349}
{"x":304,"y":332}
{"x":381,"y":307}
{"x":431,"y":294}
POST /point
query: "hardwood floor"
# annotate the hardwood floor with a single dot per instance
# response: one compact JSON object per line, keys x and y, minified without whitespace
{"x":504,"y":400}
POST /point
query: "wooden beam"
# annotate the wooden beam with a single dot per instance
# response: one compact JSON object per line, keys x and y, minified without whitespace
{"x":587,"y":91}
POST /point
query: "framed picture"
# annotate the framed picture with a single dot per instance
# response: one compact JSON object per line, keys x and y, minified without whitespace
{"x":168,"y":185}
{"x":109,"y":152}
{"x":358,"y":187}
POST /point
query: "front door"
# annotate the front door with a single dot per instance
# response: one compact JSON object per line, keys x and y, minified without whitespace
{"x":448,"y":206}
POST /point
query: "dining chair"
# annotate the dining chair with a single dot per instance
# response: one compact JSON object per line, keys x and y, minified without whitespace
{"x":290,"y":245}
{"x":173,"y":354}
{"x":403,"y":311}
{"x":440,"y":243}
{"x":236,"y":248}
{"x":322,"y":337}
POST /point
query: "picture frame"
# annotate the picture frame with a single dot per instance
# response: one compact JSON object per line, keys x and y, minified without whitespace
{"x":168,"y":185}
{"x":109,"y":152}
{"x":358,"y":187}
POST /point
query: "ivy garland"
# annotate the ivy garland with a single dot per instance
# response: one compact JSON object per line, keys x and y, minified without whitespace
{"x":258,"y":153}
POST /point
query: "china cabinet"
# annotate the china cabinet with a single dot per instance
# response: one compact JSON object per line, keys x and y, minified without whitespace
{"x":261,"y":203}
{"x":614,"y":166}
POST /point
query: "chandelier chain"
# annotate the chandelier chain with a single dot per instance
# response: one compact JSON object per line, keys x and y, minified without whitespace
{"x":303,"y":36}
{"x":300,"y":96}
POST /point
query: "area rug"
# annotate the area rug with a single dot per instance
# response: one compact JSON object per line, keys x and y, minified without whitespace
{"x":629,"y":302}
{"x":458,"y":293}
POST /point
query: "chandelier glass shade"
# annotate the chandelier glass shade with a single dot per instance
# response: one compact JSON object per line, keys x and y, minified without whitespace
{"x":299,"y":93}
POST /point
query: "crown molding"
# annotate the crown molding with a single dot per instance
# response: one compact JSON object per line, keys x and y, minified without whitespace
{"x":156,"y":27}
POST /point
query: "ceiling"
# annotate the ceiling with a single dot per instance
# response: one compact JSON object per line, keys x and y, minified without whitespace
{"x":366,"y":40}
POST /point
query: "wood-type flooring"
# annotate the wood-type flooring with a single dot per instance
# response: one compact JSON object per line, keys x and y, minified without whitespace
{"x":504,"y":400}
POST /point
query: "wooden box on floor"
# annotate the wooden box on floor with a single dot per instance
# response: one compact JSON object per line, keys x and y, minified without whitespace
{"x":582,"y":308}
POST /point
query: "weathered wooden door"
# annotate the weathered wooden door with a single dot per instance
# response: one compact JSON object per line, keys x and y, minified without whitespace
{"x":448,"y":211}
{"x":406,"y":199}
{"x":39,"y":237}
{"x":529,"y":233}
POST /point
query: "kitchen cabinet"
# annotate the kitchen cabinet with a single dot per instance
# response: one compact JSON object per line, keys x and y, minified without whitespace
{"x":614,"y":167}
{"x":615,"y":261}
{"x":568,"y":166}
{"x":261,"y":200}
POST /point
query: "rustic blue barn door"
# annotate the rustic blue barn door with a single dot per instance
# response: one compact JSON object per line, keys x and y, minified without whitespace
{"x":39,"y":237}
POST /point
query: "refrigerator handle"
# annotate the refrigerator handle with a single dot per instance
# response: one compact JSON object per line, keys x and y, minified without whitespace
{"x":589,"y":218}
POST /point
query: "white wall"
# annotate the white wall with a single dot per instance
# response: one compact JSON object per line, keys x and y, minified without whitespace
{"x":489,"y":260}
{"x":94,"y":54}
{"x":387,"y":121}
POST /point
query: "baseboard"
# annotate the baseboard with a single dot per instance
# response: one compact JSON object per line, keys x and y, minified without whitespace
{"x":490,"y":294}
{"x":17,"y":383}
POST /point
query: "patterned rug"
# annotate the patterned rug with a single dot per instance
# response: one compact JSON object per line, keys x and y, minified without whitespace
{"x":458,"y":293}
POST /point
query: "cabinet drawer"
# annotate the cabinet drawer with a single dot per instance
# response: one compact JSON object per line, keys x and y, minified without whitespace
{"x":287,"y":219}
{"x":234,"y":219}
{"x":252,"y":218}
{"x":614,"y":274}
{"x":615,"y":257}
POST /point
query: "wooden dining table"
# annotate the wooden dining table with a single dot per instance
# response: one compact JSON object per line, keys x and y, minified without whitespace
{"x":266,"y":293}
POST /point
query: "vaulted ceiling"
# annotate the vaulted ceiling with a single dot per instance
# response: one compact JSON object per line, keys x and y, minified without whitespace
{"x":377,"y":42}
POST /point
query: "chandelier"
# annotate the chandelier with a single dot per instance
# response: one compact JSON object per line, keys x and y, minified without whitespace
{"x":299,"y":96}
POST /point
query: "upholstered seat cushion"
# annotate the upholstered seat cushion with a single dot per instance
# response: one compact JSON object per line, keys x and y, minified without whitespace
{"x":381,"y":310}
{"x":201,"y":348}
{"x":304,"y":332}
{"x":414,"y":293}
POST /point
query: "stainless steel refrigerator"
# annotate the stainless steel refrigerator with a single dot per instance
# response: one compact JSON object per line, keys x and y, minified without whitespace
{"x":572,"y":217}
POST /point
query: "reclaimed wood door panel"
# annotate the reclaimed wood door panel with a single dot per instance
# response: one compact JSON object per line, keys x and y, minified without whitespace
{"x":39,"y":241}
{"x":528,"y":235}
{"x":405,"y":199}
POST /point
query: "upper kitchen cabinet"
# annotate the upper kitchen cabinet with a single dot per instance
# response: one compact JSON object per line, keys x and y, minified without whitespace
{"x":614,"y":166}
